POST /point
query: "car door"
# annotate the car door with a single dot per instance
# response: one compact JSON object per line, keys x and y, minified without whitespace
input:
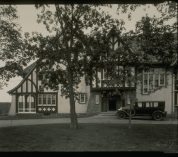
{"x":138,"y":108}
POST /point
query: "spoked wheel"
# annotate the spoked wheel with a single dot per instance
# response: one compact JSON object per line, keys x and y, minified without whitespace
{"x":121,"y":115}
{"x":157,"y":116}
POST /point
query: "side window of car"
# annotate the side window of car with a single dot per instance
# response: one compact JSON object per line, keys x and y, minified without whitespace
{"x":150,"y":104}
{"x":155,"y":104}
{"x":139,"y":104}
{"x":147,"y":104}
{"x":144,"y":104}
{"x":136,"y":104}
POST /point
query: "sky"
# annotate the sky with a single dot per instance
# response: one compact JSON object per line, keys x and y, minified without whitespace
{"x":27,"y":20}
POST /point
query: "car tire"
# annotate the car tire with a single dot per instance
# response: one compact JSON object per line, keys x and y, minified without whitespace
{"x":121,"y":115}
{"x":157,"y":116}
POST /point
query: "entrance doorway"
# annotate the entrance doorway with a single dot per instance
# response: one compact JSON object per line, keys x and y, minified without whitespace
{"x":112,"y":103}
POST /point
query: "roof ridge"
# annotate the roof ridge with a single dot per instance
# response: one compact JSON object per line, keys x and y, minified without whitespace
{"x":26,"y":72}
{"x":28,"y":69}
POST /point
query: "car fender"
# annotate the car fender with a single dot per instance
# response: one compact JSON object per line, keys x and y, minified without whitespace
{"x":122,"y":111}
{"x":126,"y":112}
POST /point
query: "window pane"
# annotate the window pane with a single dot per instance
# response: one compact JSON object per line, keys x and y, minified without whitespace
{"x":21,"y":104}
{"x":145,"y":83}
{"x":162,"y":79}
{"x":41,"y":88}
{"x":147,"y":104}
{"x":155,"y":104}
{"x":145,"y":89}
{"x":53,"y":99}
{"x":156,"y":80}
{"x":139,"y":104}
{"x":32,"y":105}
{"x":151,"y":82}
{"x":39,"y":99}
{"x":145,"y":79}
{"x":49,"y":99}
{"x":151,"y":104}
{"x":44,"y":99}
{"x":104,"y":74}
{"x":82,"y":97}
{"x":40,"y":76}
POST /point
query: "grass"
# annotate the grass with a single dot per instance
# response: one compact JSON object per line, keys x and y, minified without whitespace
{"x":90,"y":137}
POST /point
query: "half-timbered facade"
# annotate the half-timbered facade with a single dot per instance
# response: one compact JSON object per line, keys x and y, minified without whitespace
{"x":158,"y":83}
{"x":29,"y":96}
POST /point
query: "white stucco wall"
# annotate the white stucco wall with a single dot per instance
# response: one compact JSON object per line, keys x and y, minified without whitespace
{"x":163,"y":94}
{"x":64,"y":103}
{"x":12,"y":110}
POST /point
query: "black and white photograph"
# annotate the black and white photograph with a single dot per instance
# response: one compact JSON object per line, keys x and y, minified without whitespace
{"x":89,"y":77}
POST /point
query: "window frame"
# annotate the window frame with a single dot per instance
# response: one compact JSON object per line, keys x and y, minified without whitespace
{"x":47,"y":97}
{"x":147,"y":85}
{"x":160,"y":79}
{"x":80,"y":98}
{"x":143,"y":82}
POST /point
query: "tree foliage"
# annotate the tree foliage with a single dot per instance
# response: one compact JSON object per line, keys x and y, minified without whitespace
{"x":11,"y":56}
{"x":156,"y":39}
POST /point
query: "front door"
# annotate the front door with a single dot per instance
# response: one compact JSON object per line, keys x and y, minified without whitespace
{"x":112,"y":103}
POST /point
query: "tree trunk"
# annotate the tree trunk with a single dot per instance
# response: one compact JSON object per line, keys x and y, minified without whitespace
{"x":73,"y":116}
{"x":130,"y":117}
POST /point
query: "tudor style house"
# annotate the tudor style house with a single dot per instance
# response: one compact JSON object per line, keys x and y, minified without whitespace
{"x":158,"y":83}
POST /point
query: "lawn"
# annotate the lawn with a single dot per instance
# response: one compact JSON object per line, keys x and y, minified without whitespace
{"x":90,"y":137}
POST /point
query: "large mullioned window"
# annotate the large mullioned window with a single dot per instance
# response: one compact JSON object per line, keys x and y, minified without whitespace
{"x":26,"y":104}
{"x":152,"y":80}
{"x":46,"y":100}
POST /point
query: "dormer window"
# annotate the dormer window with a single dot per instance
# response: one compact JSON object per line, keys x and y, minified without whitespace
{"x":40,"y":76}
{"x":41,"y":88}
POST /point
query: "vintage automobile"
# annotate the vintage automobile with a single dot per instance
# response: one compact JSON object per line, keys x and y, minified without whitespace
{"x":156,"y":109}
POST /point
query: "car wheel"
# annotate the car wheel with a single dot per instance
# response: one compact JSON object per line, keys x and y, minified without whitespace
{"x":121,"y":115}
{"x":157,"y":116}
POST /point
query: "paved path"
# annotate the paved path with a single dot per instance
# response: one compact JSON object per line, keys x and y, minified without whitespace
{"x":101,"y":118}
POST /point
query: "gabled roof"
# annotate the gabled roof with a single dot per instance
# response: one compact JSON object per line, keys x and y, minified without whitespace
{"x":26,"y":73}
{"x":29,"y":68}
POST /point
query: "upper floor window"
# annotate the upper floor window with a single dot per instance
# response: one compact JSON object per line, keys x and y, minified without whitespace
{"x":152,"y":80}
{"x":40,"y":76}
{"x":41,"y":88}
{"x":104,"y":74}
{"x":161,"y":79}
